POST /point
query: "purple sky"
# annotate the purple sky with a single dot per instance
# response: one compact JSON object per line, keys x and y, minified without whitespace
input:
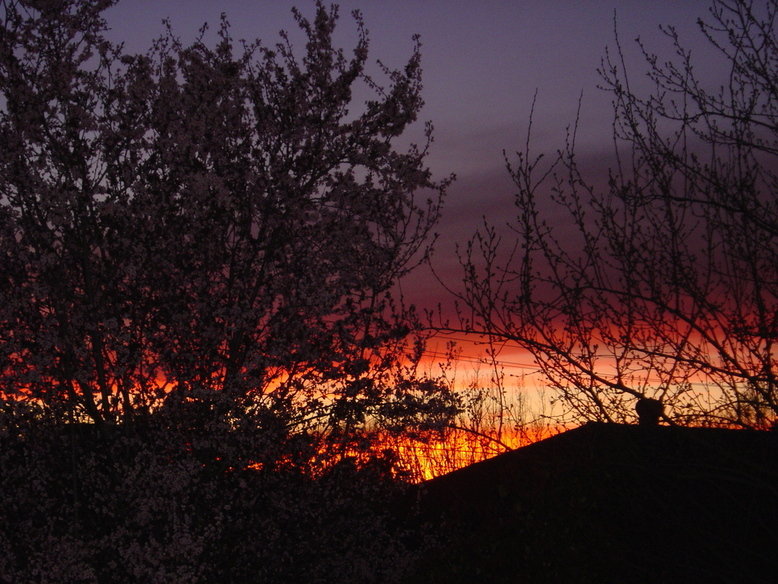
{"x":483,"y":60}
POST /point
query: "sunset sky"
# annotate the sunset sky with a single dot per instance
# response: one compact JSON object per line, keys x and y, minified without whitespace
{"x":482,"y":61}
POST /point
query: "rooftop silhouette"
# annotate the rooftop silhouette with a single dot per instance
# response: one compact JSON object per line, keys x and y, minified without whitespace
{"x":613,"y":503}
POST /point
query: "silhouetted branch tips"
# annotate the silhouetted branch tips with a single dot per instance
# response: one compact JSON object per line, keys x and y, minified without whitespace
{"x":662,"y":274}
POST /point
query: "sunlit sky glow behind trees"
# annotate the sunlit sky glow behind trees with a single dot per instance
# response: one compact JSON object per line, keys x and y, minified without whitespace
{"x":483,"y":63}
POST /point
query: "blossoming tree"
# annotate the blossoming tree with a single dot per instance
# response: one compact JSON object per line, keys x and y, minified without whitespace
{"x":208,"y":225}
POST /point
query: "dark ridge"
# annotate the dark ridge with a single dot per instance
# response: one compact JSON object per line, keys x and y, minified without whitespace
{"x":612,"y":503}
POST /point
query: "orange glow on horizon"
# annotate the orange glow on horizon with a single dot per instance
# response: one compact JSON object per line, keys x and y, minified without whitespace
{"x":424,"y":458}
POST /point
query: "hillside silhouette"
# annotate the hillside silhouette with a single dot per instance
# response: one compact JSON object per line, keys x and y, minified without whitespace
{"x":612,"y":503}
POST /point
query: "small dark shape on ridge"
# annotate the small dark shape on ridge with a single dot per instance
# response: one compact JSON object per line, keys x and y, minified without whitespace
{"x":649,"y":411}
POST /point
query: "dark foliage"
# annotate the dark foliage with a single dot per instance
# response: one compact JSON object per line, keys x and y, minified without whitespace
{"x":142,"y":503}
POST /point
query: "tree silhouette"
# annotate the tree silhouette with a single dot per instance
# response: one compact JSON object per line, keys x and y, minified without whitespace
{"x":198,"y":340}
{"x":662,"y":283}
{"x":217,"y":223}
